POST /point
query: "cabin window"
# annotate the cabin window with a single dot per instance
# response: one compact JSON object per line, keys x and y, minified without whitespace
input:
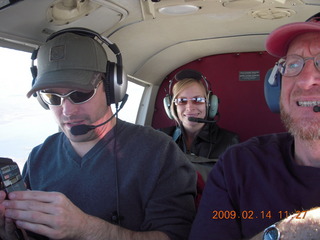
{"x":129,"y":111}
{"x":23,"y":122}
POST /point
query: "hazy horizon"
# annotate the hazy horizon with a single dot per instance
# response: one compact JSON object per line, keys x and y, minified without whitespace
{"x":23,"y":122}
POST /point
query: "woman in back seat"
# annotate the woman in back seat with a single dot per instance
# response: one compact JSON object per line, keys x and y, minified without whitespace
{"x":194,"y":107}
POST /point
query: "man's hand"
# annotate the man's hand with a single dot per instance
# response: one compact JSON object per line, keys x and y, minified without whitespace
{"x":53,"y":215}
{"x":50,"y":214}
{"x":304,"y":225}
{"x":8,"y":229}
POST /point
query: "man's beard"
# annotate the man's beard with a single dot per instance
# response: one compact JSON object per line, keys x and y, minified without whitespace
{"x":303,"y":128}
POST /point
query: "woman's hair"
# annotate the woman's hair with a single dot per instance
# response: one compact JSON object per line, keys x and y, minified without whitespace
{"x":178,"y":88}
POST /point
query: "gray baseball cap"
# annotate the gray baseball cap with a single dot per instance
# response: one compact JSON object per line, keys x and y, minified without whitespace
{"x":69,"y":61}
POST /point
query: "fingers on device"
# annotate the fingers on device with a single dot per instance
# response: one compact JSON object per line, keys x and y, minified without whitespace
{"x":10,"y":177}
{"x":11,"y":180}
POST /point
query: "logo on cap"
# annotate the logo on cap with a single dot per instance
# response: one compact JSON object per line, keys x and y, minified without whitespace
{"x":57,"y":53}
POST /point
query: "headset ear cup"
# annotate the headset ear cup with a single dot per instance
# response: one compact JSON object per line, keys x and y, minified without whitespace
{"x":272,"y":89}
{"x":34,"y":73}
{"x":42,"y":103}
{"x":167,"y":105}
{"x":116,"y":83}
{"x":120,"y":84}
{"x":108,"y":83}
{"x":213,"y":103}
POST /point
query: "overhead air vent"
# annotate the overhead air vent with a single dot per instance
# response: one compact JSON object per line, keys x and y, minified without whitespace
{"x":273,"y":13}
{"x":63,"y":12}
{"x":67,"y":11}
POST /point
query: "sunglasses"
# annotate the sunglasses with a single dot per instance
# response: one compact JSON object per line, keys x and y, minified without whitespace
{"x":76,"y":97}
{"x":292,"y":65}
{"x":194,"y":100}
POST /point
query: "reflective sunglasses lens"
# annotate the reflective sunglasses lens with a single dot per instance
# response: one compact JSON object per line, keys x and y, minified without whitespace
{"x":198,"y":100}
{"x":181,"y":101}
{"x":75,"y":97}
{"x":184,"y":101}
{"x":80,"y":97}
{"x":50,"y":98}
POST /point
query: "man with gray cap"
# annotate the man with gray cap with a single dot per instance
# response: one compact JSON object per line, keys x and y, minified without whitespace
{"x":100,"y":177}
{"x":267,"y":187}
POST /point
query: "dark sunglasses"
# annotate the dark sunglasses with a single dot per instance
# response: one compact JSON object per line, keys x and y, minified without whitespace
{"x":76,"y":97}
{"x":194,"y":100}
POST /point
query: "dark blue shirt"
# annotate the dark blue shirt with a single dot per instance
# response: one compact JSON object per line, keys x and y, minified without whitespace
{"x":255,"y":184}
{"x":155,"y":183}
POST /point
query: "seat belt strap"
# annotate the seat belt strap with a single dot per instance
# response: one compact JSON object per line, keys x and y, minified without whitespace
{"x":176,"y":134}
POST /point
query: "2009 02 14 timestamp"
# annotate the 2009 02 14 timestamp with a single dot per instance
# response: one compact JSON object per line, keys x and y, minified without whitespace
{"x":251,"y":215}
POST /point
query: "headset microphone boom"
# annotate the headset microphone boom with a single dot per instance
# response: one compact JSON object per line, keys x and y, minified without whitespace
{"x":83,"y":129}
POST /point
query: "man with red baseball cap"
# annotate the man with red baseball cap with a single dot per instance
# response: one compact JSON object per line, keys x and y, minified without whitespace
{"x":267,"y":187}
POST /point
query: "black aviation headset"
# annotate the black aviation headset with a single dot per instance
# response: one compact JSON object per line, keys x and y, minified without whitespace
{"x":115,"y":81}
{"x":212,"y":100}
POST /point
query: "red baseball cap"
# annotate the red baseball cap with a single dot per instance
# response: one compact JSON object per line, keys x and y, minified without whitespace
{"x":278,"y":41}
